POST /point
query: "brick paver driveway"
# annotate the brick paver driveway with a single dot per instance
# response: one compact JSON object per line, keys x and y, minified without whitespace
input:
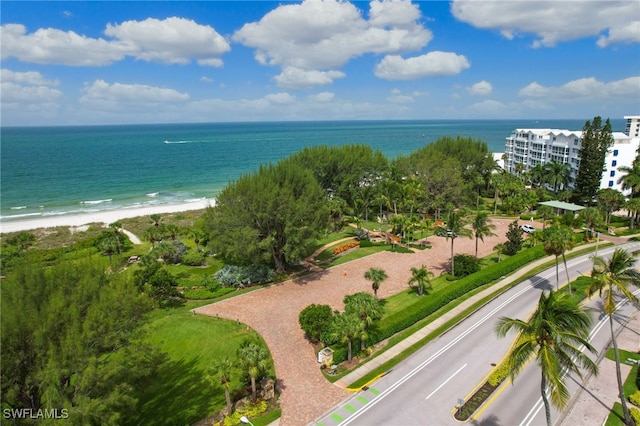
{"x":273,"y":312}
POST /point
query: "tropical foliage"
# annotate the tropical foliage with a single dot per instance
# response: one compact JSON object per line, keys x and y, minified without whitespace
{"x":554,"y":336}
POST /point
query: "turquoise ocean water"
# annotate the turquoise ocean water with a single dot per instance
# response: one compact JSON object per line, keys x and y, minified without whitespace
{"x":47,"y":171}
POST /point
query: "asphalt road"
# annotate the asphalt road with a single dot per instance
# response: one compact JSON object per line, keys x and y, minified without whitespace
{"x":425,"y":388}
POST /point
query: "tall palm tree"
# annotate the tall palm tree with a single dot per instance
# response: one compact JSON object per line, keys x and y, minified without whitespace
{"x":537,"y":175}
{"x":255,"y":361}
{"x":557,"y":240}
{"x":546,"y":212}
{"x":592,"y":217}
{"x":221,"y":373}
{"x":631,"y":178}
{"x":376,"y":276}
{"x":482,"y":227}
{"x":455,"y":228}
{"x":611,"y":278}
{"x":345,"y":327}
{"x":558,"y":175}
{"x":633,"y":206}
{"x":420,"y":278}
{"x":554,"y":335}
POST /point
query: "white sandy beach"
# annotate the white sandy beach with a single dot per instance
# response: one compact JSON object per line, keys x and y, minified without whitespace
{"x":106,"y":216}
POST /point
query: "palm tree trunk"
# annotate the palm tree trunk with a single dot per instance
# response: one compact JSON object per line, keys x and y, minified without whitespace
{"x":476,"y":246}
{"x":543,"y":392}
{"x":625,"y":410}
{"x":453,"y":272}
{"x":349,"y":350}
{"x":229,"y":405}
{"x":253,"y":389}
{"x":557,"y":275}
{"x":564,"y":259}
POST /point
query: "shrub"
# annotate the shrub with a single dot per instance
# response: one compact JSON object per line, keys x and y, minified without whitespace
{"x":193,"y":258}
{"x":366,"y":243}
{"x":314,"y":319}
{"x":235,"y":276}
{"x":635,"y":398}
{"x":466,"y":265}
{"x":635,"y":413}
{"x":249,"y":410}
{"x":514,"y":237}
{"x":361,"y":234}
{"x":499,"y":374}
{"x":344,"y":247}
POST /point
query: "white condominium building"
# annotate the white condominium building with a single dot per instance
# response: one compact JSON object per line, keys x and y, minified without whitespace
{"x":530,"y":147}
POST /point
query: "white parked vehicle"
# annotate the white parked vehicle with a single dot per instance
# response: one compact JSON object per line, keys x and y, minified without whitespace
{"x":528,"y":229}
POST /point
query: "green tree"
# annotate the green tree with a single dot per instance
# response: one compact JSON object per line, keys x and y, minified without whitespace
{"x":538,"y":175}
{"x":367,"y":308}
{"x":271,"y":216}
{"x":596,"y":141}
{"x":220,"y":373}
{"x":482,"y":227}
{"x":633,"y":206}
{"x":255,"y":360}
{"x":71,"y":336}
{"x":557,"y":240}
{"x":546,"y":213}
{"x":514,"y":239}
{"x":558,"y":175}
{"x":314,"y":320}
{"x":592,"y":217}
{"x":500,"y":248}
{"x":456,"y":227}
{"x":610,"y":279}
{"x":554,"y":335}
{"x":376,"y":276}
{"x":631,"y":178}
{"x":421,"y":279}
{"x":610,"y":200}
{"x":346,"y":327}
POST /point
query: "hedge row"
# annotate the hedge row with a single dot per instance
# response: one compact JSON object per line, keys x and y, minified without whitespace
{"x":429,"y":304}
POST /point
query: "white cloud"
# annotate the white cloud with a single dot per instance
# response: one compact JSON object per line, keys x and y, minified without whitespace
{"x":320,"y":35}
{"x":585,"y":89}
{"x":173,"y":40}
{"x":28,"y":77}
{"x":629,"y":33}
{"x":481,"y":88}
{"x":397,"y":97}
{"x":554,"y":22}
{"x":280,"y":98}
{"x":296,"y":78}
{"x":51,"y":46}
{"x":206,"y":79}
{"x":16,"y":93}
{"x":322,"y":97}
{"x":433,"y":64}
{"x":130,"y":94}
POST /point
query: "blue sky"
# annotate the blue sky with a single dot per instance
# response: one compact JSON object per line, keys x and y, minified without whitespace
{"x":81,"y":63}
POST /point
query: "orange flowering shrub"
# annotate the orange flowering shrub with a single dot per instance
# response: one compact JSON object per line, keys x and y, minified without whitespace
{"x":344,"y":247}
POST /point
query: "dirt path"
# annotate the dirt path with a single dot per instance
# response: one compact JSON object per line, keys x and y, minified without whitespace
{"x":273,"y":312}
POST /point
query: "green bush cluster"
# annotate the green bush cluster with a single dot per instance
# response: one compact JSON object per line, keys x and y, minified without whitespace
{"x":499,"y":374}
{"x":635,"y":398}
{"x":466,"y":264}
{"x":635,"y":413}
{"x":234,"y":276}
{"x":426,"y":306}
{"x":193,"y":258}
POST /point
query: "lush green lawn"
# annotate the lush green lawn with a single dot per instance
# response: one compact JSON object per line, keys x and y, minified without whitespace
{"x":180,"y":393}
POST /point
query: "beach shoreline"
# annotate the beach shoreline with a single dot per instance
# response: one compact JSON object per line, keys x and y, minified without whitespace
{"x":105,"y":216}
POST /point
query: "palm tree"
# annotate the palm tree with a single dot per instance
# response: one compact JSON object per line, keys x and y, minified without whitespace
{"x":631,"y":179}
{"x":592,"y":217}
{"x":633,"y":206}
{"x":116,"y":226}
{"x":255,"y":360}
{"x":546,"y":212}
{"x":421,"y":278}
{"x":499,"y":248}
{"x":558,"y":175}
{"x":482,"y":227}
{"x":557,"y":240}
{"x":376,"y":276}
{"x":367,"y":308}
{"x":538,"y":175}
{"x":221,"y":373}
{"x":554,"y":335}
{"x":610,"y":278}
{"x":346,"y":327}
{"x":455,"y":228}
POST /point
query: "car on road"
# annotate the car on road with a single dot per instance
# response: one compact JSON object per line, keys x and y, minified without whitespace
{"x":527,"y":228}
